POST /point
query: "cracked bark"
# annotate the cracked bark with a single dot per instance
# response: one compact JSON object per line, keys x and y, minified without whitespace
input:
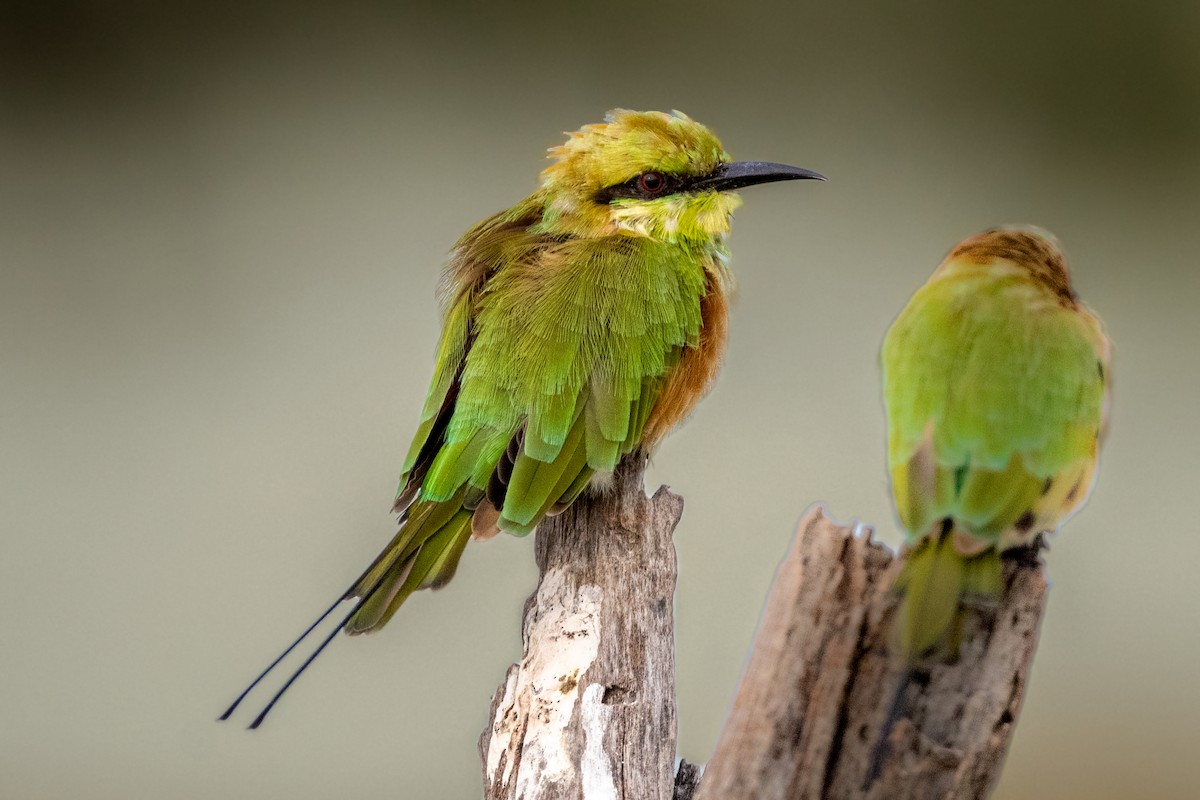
{"x":815,"y":694}
{"x":589,"y":712}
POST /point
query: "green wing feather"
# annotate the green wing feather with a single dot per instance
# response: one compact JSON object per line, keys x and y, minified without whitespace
{"x":560,"y":345}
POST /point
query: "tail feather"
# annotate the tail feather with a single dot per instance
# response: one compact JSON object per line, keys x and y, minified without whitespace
{"x":934,"y":583}
{"x":424,"y":519}
{"x":433,"y":534}
{"x":373,"y":606}
{"x":233,"y":706}
{"x":930,"y":582}
{"x":446,"y":549}
{"x":424,"y":554}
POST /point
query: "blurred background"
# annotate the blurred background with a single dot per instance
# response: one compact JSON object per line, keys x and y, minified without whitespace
{"x":221,"y":226}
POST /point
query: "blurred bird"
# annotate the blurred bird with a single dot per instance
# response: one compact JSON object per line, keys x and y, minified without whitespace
{"x":580,"y":325}
{"x":996,"y":380}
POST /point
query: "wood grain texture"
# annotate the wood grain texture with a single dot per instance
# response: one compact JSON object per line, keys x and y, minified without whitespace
{"x":589,"y":712}
{"x":818,"y":686}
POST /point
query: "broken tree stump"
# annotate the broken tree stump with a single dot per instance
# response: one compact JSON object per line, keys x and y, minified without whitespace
{"x":589,"y":712}
{"x":818,"y":685}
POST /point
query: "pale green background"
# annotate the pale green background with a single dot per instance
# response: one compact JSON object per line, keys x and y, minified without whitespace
{"x":220,"y":233}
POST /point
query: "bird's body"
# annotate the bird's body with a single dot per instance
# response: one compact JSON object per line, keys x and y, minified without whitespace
{"x":580,"y":325}
{"x":996,"y":380}
{"x":569,"y":351}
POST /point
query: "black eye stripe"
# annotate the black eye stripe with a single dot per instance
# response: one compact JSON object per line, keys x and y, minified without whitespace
{"x":633,"y":189}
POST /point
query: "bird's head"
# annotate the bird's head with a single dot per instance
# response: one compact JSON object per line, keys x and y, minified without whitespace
{"x":650,"y":174}
{"x":1028,"y":248}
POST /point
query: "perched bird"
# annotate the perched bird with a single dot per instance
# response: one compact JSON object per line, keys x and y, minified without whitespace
{"x":996,"y":381}
{"x":580,"y":325}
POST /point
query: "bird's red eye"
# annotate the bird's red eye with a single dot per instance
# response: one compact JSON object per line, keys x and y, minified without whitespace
{"x":652,"y":182}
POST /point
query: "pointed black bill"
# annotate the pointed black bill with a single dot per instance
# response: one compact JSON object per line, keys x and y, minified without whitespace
{"x":737,"y":174}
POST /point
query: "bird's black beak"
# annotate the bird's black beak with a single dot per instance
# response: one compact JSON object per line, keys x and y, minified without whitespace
{"x":737,"y":174}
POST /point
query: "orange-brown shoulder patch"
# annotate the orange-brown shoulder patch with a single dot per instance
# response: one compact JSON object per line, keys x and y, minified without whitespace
{"x":693,"y":376}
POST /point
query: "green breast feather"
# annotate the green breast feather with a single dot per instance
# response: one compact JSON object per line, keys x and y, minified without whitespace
{"x":566,"y":349}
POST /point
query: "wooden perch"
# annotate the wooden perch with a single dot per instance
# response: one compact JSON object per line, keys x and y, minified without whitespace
{"x":589,"y":712}
{"x":819,"y":684}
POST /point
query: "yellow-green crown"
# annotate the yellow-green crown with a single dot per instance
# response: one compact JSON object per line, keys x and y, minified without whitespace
{"x":629,"y":143}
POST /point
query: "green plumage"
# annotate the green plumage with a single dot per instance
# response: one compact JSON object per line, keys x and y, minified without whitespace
{"x":563,"y":320}
{"x":580,"y":325}
{"x":586,"y":335}
{"x":566,"y":345}
{"x":995,"y":386}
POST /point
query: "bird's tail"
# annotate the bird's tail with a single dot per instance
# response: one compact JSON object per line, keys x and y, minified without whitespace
{"x":934,"y":584}
{"x":423,"y":554}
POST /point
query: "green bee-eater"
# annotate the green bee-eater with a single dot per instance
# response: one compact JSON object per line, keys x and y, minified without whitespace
{"x":580,"y":325}
{"x":996,"y":380}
